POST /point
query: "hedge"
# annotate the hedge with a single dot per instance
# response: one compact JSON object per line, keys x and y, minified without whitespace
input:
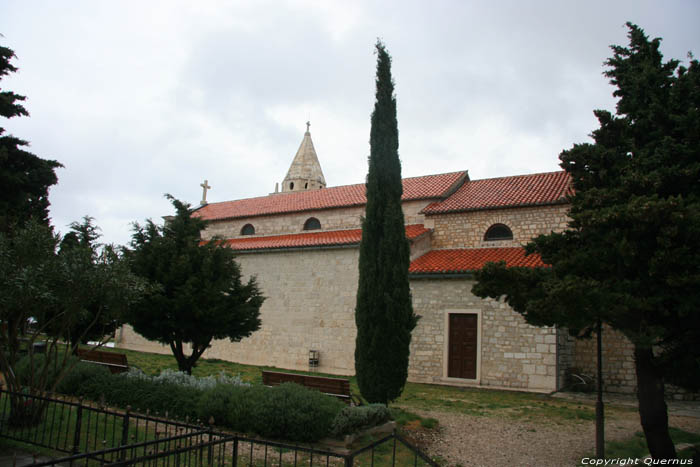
{"x":287,"y":411}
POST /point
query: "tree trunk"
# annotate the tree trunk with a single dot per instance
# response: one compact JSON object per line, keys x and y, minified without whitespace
{"x":26,"y":411}
{"x":186,"y":363}
{"x":652,"y":406}
{"x":182,"y":361}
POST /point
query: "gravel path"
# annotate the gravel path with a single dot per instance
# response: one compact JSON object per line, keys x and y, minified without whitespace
{"x":487,"y":441}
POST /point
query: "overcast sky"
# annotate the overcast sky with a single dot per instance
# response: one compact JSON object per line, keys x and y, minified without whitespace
{"x":141,"y":98}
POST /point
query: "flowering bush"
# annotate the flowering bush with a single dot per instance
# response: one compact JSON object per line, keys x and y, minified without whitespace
{"x":181,"y":378}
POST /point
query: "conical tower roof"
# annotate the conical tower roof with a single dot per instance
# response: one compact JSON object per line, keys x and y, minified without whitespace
{"x":305,"y":172}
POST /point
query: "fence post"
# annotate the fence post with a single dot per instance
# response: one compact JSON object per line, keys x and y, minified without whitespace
{"x":349,"y":460}
{"x":393,"y":458}
{"x":210,"y":450}
{"x":125,"y":433}
{"x":78,"y":423}
{"x":235,"y":451}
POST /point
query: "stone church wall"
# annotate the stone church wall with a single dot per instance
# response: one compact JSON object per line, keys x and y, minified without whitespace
{"x":310,"y":305}
{"x":618,"y":360}
{"x":127,"y":338}
{"x":467,"y":229}
{"x":330,"y":219}
{"x":513,"y":354}
{"x":619,"y":373}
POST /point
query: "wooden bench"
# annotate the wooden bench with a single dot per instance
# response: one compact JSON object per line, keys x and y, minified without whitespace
{"x":116,"y":362}
{"x":337,"y":387}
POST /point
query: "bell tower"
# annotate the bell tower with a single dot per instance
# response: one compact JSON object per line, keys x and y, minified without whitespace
{"x":305,"y":172}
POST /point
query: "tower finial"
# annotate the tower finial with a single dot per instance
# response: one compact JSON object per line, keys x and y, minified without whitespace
{"x":305,"y":172}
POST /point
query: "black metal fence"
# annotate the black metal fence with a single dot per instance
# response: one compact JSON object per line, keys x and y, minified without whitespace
{"x":93,"y":435}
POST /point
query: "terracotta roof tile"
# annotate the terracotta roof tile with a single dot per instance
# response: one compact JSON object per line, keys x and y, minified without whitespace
{"x":520,"y":190}
{"x":426,"y":187}
{"x":466,"y":260}
{"x":311,"y":239}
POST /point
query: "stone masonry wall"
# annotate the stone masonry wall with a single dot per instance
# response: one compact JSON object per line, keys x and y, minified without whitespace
{"x":311,"y":302}
{"x":565,"y":355}
{"x":330,"y":219}
{"x":310,"y":305}
{"x":467,"y":229}
{"x":513,"y":353}
{"x":421,"y":246}
{"x":618,"y":360}
{"x":619,"y":374}
{"x":127,"y":338}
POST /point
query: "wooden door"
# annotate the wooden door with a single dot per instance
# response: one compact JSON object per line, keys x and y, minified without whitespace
{"x":462,"y":346}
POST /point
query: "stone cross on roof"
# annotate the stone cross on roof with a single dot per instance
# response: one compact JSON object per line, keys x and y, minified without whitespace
{"x":205,"y":186}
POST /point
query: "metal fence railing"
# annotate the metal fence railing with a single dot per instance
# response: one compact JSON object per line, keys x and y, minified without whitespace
{"x":92,"y":435}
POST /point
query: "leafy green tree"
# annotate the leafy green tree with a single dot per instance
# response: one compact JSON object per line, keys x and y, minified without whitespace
{"x":88,"y":319}
{"x":630,"y":255}
{"x":198,"y":295}
{"x":38,"y":284}
{"x":24,"y":178}
{"x":383,"y":314}
{"x":52,"y":289}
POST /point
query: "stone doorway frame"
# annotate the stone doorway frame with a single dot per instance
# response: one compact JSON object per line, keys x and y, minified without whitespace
{"x":446,"y":345}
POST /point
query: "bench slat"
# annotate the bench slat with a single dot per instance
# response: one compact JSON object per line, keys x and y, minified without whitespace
{"x":337,"y":387}
{"x":116,"y":362}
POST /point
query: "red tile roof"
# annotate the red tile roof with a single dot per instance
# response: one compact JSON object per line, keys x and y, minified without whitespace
{"x":415,"y":188}
{"x":311,"y":239}
{"x":504,"y":192}
{"x":466,"y":260}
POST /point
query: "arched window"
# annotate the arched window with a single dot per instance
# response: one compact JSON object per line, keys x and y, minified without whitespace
{"x":498,"y":232}
{"x":291,"y":185}
{"x":312,"y":224}
{"x":248,"y":229}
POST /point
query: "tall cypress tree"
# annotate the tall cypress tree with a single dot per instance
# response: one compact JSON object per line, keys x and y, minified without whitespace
{"x":384,"y":313}
{"x":24,"y":178}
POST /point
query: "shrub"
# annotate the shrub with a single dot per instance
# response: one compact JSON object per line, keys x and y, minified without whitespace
{"x":353,"y":419}
{"x":157,"y":396}
{"x":288,"y":411}
{"x":229,"y":405}
{"x":84,"y":379}
{"x":240,"y":411}
{"x":293,"y":412}
{"x":183,"y":379}
{"x":23,"y":368}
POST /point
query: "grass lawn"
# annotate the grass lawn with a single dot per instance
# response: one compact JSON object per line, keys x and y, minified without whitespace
{"x":470,"y":401}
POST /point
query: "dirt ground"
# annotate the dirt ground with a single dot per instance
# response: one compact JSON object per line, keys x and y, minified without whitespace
{"x":465,"y":440}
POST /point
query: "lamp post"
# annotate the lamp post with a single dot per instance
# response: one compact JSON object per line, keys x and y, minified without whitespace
{"x":599,"y":410}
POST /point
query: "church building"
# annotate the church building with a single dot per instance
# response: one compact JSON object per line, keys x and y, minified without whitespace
{"x":302,"y":243}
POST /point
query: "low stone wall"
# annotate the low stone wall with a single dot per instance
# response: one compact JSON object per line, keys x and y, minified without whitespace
{"x":619,"y":373}
{"x":618,"y":361}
